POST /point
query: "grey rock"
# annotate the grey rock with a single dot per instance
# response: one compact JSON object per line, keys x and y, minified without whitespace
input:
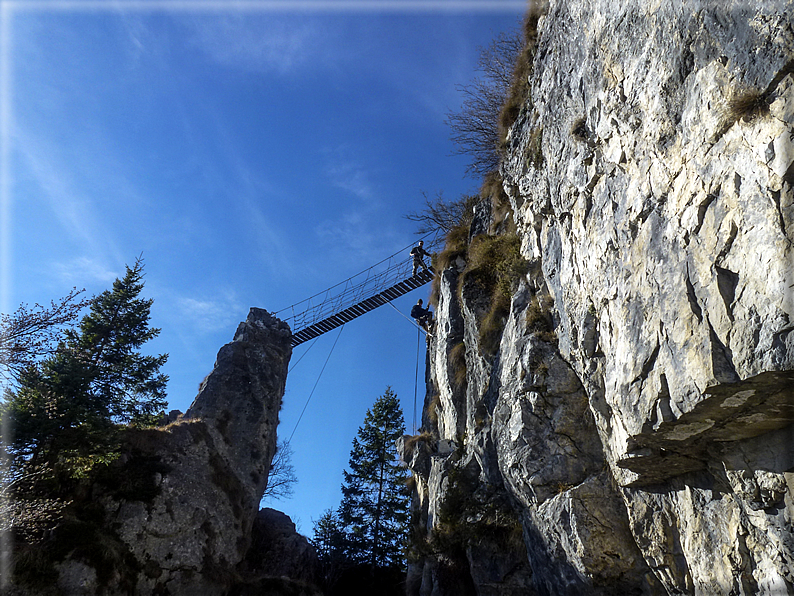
{"x":648,"y":447}
{"x":277,"y":550}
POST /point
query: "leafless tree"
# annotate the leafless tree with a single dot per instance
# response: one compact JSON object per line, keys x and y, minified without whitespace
{"x":475,"y":126}
{"x":29,"y":334}
{"x":282,"y":479}
{"x":441,"y":215}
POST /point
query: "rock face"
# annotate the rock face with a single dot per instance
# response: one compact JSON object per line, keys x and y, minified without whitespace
{"x":198,"y":527}
{"x":183,"y":503}
{"x":645,"y":442}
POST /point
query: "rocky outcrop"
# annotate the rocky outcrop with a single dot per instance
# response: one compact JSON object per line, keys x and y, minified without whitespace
{"x":278,"y":550}
{"x":178,"y":513}
{"x":644,"y":439}
{"x":198,"y":527}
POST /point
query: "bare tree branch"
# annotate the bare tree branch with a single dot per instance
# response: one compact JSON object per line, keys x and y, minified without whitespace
{"x":282,"y":479}
{"x":439,"y":214}
{"x":29,"y":334}
{"x":475,"y":127}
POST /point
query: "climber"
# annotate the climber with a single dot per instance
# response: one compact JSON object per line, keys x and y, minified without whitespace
{"x":417,"y":252}
{"x":423,"y":316}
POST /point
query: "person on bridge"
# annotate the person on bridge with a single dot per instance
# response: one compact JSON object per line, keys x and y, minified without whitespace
{"x":417,"y":252}
{"x":423,"y":316}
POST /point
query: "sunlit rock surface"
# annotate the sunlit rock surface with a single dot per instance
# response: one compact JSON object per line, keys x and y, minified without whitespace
{"x":647,"y":446}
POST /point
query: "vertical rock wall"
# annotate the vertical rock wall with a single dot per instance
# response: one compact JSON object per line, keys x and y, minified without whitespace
{"x":646,"y":445}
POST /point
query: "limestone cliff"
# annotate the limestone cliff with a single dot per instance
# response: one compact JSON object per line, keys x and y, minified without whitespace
{"x":633,"y":422}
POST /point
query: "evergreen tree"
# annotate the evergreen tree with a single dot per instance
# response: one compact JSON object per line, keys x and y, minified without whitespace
{"x":68,"y":404}
{"x":329,"y":541}
{"x":374,"y":509}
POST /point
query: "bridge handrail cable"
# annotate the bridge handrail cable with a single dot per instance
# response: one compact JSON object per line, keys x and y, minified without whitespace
{"x":352,"y":290}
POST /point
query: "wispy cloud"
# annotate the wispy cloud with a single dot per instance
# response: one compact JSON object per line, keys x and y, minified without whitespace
{"x":249,"y":194}
{"x":85,"y":271}
{"x":212,"y":313}
{"x":61,"y":192}
{"x":256,"y":43}
{"x":350,"y":175}
{"x":358,"y":232}
{"x":357,"y":237}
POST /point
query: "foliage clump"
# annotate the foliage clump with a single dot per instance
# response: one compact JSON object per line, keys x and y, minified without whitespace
{"x":66,"y":408}
{"x":455,"y":246}
{"x":29,"y":334}
{"x":476,"y":126}
{"x":470,"y":513}
{"x":440,"y":215}
{"x":538,"y":318}
{"x":423,"y":440}
{"x":457,"y":366}
{"x":519,"y":92}
{"x":747,"y":105}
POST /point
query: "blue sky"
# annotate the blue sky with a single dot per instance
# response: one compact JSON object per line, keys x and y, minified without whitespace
{"x":254,"y":156}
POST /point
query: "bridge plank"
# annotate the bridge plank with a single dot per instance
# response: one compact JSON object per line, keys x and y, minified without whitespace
{"x":361,"y":308}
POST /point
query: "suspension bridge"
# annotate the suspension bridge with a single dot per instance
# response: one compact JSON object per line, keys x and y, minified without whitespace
{"x":379,"y":285}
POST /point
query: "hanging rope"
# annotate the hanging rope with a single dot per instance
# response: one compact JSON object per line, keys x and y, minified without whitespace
{"x":315,"y":384}
{"x":302,"y":355}
{"x":416,"y":374}
{"x":418,"y":348}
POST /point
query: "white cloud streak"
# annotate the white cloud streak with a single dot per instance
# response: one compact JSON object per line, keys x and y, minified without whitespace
{"x":85,"y":271}
{"x":208,"y":315}
{"x":352,"y":177}
{"x":265,"y":45}
{"x":73,"y":210}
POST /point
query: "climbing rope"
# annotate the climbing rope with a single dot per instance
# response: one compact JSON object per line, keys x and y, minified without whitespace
{"x":416,"y":375}
{"x":418,"y":349}
{"x":315,"y":384}
{"x":410,"y":320}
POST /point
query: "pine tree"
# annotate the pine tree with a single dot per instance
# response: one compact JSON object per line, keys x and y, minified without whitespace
{"x":329,"y":542}
{"x":70,"y":402}
{"x":374,"y":509}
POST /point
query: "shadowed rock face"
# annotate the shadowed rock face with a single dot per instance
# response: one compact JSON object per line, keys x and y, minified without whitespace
{"x":649,"y":447}
{"x":240,"y":399}
{"x":198,"y":528}
{"x":192,"y":531}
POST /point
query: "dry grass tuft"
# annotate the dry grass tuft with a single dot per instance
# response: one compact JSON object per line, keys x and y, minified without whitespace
{"x":519,"y":92}
{"x":746,"y":105}
{"x":457,"y":365}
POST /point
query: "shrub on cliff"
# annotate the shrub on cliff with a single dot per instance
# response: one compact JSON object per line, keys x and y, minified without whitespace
{"x":475,"y":126}
{"x":518,"y":93}
{"x":494,"y":266}
{"x":492,"y":102}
